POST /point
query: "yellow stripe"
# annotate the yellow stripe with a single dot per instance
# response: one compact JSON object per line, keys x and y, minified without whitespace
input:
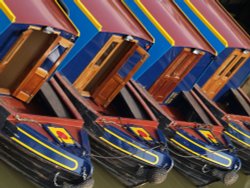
{"x":131,"y":12}
{"x":65,"y":13}
{"x":48,"y":147}
{"x":202,"y":156}
{"x":7,"y":11}
{"x":90,"y":16}
{"x":155,"y":22}
{"x":206,"y":22}
{"x":135,"y":146}
{"x":232,"y":136}
{"x":239,"y":131}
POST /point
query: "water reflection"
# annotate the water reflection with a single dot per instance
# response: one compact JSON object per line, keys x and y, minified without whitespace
{"x":11,"y":179}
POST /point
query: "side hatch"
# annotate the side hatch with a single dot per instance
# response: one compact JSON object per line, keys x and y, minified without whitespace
{"x":112,"y":67}
{"x":31,"y":61}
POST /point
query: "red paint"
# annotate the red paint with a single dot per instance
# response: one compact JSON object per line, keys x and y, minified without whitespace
{"x":210,"y":136}
{"x":62,"y":135}
{"x":142,"y":133}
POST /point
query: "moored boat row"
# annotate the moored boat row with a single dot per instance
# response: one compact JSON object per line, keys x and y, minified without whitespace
{"x":138,"y":86}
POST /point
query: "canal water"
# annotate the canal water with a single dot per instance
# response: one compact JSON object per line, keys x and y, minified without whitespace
{"x":9,"y":178}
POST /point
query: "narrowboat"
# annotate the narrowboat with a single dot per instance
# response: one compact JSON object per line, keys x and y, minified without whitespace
{"x":168,"y":75}
{"x":222,"y":80}
{"x":41,"y":132}
{"x":123,"y":130}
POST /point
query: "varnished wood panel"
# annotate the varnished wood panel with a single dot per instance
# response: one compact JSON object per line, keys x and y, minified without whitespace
{"x":224,"y":73}
{"x":174,"y":74}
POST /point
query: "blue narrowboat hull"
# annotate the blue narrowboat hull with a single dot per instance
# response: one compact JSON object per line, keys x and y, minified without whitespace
{"x":132,"y":161}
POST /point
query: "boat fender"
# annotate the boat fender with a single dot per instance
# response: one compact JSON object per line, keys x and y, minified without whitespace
{"x":89,"y":183}
{"x":227,"y":178}
{"x":157,"y":175}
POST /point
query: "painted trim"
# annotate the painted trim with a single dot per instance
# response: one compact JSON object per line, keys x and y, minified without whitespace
{"x":90,"y":16}
{"x":206,"y":22}
{"x":235,"y":138}
{"x":133,"y":145}
{"x":202,"y":156}
{"x":78,"y":32}
{"x":155,"y":22}
{"x":239,"y":131}
{"x":7,"y":11}
{"x":48,"y":147}
{"x":138,"y":20}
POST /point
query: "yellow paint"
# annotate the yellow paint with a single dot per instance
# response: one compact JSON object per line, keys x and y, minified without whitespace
{"x":239,"y":131}
{"x":48,"y":147}
{"x":206,"y":22}
{"x":65,"y":13}
{"x":206,"y":149}
{"x":7,"y":11}
{"x":232,"y":136}
{"x":209,"y":136}
{"x":54,"y":130}
{"x":131,"y":144}
{"x":131,"y":12}
{"x":90,"y":16}
{"x":136,"y":129}
{"x":155,"y":22}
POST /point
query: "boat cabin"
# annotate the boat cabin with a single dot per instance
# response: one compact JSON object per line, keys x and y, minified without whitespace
{"x":32,"y":47}
{"x":111,"y":58}
{"x":222,"y":80}
{"x":188,"y":54}
{"x":40,"y":127}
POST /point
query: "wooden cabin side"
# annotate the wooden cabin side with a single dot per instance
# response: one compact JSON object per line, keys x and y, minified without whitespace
{"x":175,"y":65}
{"x":111,"y":58}
{"x":233,"y":58}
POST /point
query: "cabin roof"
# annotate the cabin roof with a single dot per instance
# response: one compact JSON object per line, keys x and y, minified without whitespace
{"x":115,"y":18}
{"x":223,"y":23}
{"x":38,"y":12}
{"x":176,"y":25}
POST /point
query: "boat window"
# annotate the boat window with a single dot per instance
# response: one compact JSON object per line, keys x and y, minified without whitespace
{"x":106,"y":53}
{"x":236,"y":66}
{"x":229,"y":64}
{"x":129,"y":65}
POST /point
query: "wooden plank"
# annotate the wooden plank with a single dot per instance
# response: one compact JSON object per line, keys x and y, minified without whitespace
{"x":244,"y":104}
{"x":199,"y":110}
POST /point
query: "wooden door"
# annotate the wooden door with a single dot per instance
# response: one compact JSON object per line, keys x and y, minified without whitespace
{"x":84,"y":83}
{"x":174,"y":74}
{"x":224,"y":73}
{"x":30,"y":62}
{"x":110,"y":69}
{"x":117,"y":79}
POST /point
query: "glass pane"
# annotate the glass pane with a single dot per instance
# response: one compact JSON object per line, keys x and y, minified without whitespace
{"x":228,"y":64}
{"x":129,"y":65}
{"x":53,"y":57}
{"x":106,"y":53}
{"x":236,"y":65}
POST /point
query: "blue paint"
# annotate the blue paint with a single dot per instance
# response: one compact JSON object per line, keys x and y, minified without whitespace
{"x":78,"y":63}
{"x":210,"y":155}
{"x":204,"y":30}
{"x":49,"y":153}
{"x":148,"y":78}
{"x":214,"y":66}
{"x":191,"y":78}
{"x":9,"y":37}
{"x":164,"y":159}
{"x":84,"y":25}
{"x":5,"y":22}
{"x":129,"y":65}
{"x":161,"y":45}
{"x":242,"y":74}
